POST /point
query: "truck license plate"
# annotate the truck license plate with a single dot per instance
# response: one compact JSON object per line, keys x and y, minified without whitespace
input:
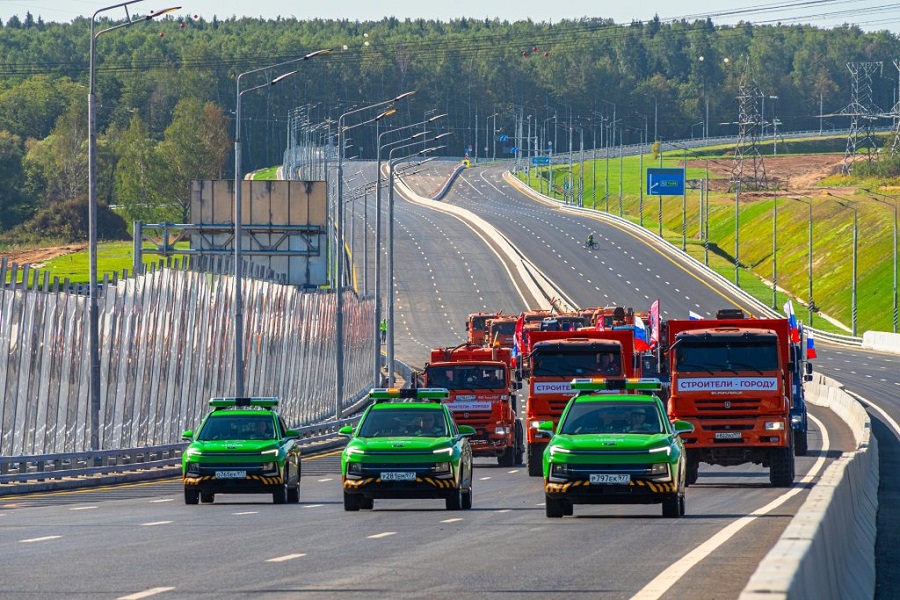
{"x":398,"y":476}
{"x":604,"y":478}
{"x":231,"y":474}
{"x":728,"y":435}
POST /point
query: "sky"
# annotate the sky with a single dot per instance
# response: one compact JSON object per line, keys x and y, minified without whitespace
{"x":870,"y":15}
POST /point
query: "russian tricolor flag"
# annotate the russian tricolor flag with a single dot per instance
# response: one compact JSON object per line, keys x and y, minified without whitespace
{"x":641,"y":343}
{"x":810,"y":346}
{"x":694,"y":316}
{"x":792,"y":320}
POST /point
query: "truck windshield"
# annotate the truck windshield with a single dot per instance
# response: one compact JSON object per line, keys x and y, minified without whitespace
{"x":711,"y":355}
{"x":503,"y":328}
{"x":466,"y":377}
{"x":576,"y":363}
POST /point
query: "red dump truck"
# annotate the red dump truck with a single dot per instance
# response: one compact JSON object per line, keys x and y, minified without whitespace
{"x":482,"y":395}
{"x":731,"y":377}
{"x":550,"y":362}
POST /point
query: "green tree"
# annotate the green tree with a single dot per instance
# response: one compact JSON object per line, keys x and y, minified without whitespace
{"x":139,"y":175}
{"x":57,"y":166}
{"x":13,"y":203}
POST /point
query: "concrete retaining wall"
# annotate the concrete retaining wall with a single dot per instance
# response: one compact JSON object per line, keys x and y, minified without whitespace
{"x":881,"y":340}
{"x":828,"y":550}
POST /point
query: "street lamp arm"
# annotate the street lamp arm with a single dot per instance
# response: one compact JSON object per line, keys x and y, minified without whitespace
{"x":129,"y":20}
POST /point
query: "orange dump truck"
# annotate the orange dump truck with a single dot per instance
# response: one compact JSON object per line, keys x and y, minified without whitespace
{"x":476,"y":326}
{"x":482,"y":396}
{"x":732,"y":379}
{"x":552,"y":360}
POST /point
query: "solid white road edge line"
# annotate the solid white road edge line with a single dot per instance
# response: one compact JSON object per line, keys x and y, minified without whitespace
{"x":665,"y":580}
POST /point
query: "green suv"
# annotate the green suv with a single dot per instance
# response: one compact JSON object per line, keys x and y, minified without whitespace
{"x":242,"y":447}
{"x":407,"y":445}
{"x":615,"y":445}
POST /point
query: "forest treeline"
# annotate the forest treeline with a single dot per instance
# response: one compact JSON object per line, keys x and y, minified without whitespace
{"x":166,"y":94}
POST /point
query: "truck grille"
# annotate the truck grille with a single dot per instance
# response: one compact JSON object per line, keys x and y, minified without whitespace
{"x":718,"y":405}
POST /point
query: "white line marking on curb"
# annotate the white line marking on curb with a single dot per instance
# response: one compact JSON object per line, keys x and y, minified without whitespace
{"x":381,"y":535}
{"x":285,"y":557}
{"x":146,"y":593}
{"x":40,"y":539}
{"x":665,"y":580}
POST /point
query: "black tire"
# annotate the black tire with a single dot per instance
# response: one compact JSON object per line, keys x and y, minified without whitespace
{"x":467,"y":500}
{"x":351,"y":502}
{"x":801,"y":443}
{"x":556,"y":508}
{"x":455,"y":501}
{"x":692,"y":469}
{"x":535,"y":460}
{"x":366,"y":503}
{"x":520,"y":444}
{"x":293,"y":494}
{"x":280,"y":496}
{"x":191,"y":497}
{"x":207,"y":497}
{"x":569,"y":508}
{"x":508,"y":458}
{"x":672,"y":506}
{"x":781,"y":467}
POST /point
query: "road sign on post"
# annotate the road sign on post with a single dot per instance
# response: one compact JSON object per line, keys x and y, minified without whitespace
{"x":540,"y":160}
{"x":665,"y":182}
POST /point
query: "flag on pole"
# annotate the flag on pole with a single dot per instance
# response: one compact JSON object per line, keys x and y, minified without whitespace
{"x":810,"y":346}
{"x":792,"y":321}
{"x":654,"y":323}
{"x":517,"y":348}
{"x":641,"y":343}
{"x":694,"y":316}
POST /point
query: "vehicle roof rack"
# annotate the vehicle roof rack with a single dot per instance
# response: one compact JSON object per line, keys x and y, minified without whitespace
{"x":409,"y":394}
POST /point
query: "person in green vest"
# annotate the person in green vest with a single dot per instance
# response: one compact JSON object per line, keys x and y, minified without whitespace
{"x":383,"y":328}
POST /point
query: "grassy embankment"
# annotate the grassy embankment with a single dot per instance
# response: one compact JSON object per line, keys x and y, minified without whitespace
{"x":832,"y":230}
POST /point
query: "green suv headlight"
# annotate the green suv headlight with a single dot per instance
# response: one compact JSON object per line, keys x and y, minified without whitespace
{"x":559,"y":472}
{"x":442,"y":467}
{"x":193,"y":468}
{"x":354,"y":468}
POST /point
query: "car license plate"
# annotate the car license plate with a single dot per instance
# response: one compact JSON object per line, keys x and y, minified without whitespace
{"x":603,"y":478}
{"x":231,"y":474}
{"x":398,"y":476}
{"x":728,"y":435}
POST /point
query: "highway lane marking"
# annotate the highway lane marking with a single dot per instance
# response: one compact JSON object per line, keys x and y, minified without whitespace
{"x":313,"y":505}
{"x":83,"y":508}
{"x":146,"y":593}
{"x":669,"y":577}
{"x":454,"y":520}
{"x":890,"y":421}
{"x":248,"y":512}
{"x":503,"y":510}
{"x":40,"y":539}
{"x":285,"y":557}
{"x":484,"y":478}
{"x":155,"y":523}
{"x":513,"y":471}
{"x":161,"y":500}
{"x":382,"y":535}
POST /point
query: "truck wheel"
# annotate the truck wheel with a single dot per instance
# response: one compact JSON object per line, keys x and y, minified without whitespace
{"x":508,"y":458}
{"x":191,"y":497}
{"x":520,"y":444}
{"x":351,"y":502}
{"x":535,"y":460}
{"x":801,"y":443}
{"x":781,"y":467}
{"x":692,"y":469}
{"x":556,"y":508}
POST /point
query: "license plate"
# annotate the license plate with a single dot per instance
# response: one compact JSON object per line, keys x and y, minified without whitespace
{"x":398,"y":476}
{"x":728,"y":435}
{"x":231,"y":474}
{"x":598,"y":478}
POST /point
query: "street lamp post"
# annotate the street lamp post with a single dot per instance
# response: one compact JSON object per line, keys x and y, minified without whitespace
{"x":609,"y":137}
{"x":851,"y":205}
{"x":238,"y":215}
{"x":94,"y":311}
{"x":810,"y":305}
{"x":775,"y":250}
{"x":894,"y":207}
{"x":376,"y":375}
{"x":339,"y":233}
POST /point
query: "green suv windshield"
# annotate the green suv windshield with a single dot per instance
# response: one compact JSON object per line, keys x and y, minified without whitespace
{"x":611,"y":417}
{"x":238,"y":427}
{"x":404,"y":423}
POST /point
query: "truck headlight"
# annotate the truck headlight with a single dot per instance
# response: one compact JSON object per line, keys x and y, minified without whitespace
{"x":774,"y":425}
{"x":559,"y":472}
{"x":501,"y":430}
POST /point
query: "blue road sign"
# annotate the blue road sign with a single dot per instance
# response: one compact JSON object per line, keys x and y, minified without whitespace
{"x":540,"y":160}
{"x":665,"y":182}
{"x":503,"y":138}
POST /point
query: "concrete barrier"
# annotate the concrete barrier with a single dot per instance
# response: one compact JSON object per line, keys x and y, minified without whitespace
{"x":881,"y":340}
{"x":828,"y":549}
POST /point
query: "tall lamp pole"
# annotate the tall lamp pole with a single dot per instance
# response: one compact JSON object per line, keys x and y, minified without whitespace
{"x":94,"y":324}
{"x":238,"y":216}
{"x":893,"y":206}
{"x":851,"y":205}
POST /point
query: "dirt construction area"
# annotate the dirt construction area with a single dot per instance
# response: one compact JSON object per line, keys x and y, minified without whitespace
{"x":37,"y":256}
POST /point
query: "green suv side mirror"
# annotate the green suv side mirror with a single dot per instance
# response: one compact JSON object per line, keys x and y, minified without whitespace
{"x":346,"y":430}
{"x":682,"y":427}
{"x":466,"y":430}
